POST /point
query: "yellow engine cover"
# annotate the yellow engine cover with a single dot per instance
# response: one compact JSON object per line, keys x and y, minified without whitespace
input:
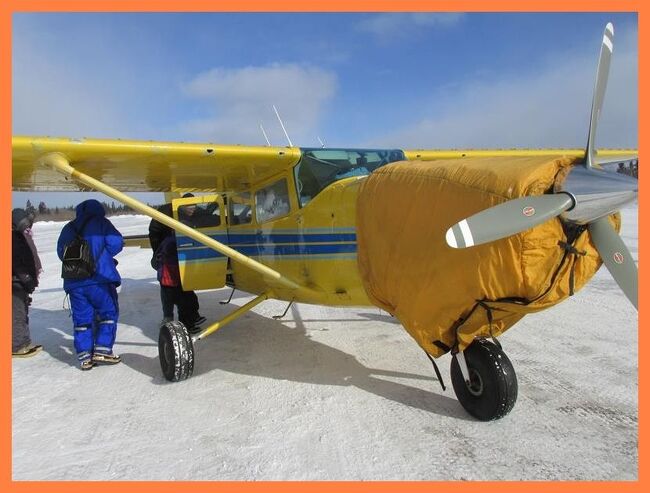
{"x":403,"y":212}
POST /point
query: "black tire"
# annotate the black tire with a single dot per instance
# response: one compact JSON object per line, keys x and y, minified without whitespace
{"x":492,"y":392}
{"x":175,"y":351}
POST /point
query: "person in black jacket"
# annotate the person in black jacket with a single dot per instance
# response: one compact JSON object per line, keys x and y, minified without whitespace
{"x":158,"y":232}
{"x":24,"y":279}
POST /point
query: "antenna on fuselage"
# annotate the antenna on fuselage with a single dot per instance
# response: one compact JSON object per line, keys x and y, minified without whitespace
{"x":322,"y":144}
{"x":282,"y":125}
{"x":265,"y":136}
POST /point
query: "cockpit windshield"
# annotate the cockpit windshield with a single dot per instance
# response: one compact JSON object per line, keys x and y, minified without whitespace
{"x":319,"y":167}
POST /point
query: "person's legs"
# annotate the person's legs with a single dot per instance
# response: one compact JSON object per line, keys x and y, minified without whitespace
{"x":83,"y":316}
{"x":19,"y":323}
{"x":192,"y":301}
{"x":104,"y":300}
{"x":19,"y":327}
{"x":188,"y":307}
{"x":188,"y":311}
{"x":167,"y":300}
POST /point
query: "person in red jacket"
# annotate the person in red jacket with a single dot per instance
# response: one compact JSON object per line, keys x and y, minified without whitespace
{"x":171,"y":289}
{"x":158,"y":233}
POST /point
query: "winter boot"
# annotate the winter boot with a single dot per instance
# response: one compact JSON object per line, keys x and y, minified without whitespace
{"x":193,"y":325}
{"x":106,"y":359}
{"x":194,"y":330}
{"x":26,"y":351}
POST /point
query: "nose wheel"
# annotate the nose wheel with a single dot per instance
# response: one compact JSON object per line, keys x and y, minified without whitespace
{"x":489,"y":390}
{"x":175,"y":351}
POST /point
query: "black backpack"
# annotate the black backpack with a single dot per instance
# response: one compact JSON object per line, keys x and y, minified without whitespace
{"x":78,"y":261}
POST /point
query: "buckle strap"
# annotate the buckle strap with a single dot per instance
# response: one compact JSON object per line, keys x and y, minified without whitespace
{"x":569,"y":248}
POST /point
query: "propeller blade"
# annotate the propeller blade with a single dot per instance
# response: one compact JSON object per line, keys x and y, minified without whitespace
{"x":507,"y":219}
{"x":602,"y":74}
{"x":616,"y":257}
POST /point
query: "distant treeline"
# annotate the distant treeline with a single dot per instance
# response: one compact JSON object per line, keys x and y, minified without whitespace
{"x":45,"y":213}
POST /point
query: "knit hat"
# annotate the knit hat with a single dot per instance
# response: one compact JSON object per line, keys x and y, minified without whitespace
{"x":20,"y":219}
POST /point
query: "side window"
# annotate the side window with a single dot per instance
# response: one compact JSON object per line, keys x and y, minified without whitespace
{"x":201,"y":215}
{"x":239,"y":209}
{"x":272,"y":201}
{"x":306,"y":182}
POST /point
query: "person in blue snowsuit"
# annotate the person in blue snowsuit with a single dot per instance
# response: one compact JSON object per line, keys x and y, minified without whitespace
{"x":93,"y":300}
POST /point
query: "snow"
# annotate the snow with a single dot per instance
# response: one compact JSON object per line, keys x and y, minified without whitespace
{"x":323,"y":394}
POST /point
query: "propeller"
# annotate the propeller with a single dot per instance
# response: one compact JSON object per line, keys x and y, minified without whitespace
{"x":616,"y":257}
{"x":602,"y":74}
{"x":587,"y":196}
{"x":507,"y":219}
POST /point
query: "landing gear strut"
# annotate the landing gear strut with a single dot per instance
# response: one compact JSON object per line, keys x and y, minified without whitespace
{"x":491,"y":389}
{"x":176,"y":346}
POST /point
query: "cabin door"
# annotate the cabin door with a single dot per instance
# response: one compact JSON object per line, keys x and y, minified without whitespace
{"x":201,"y":267}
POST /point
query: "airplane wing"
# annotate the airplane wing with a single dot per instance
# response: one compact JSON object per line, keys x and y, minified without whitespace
{"x":147,"y":166}
{"x":156,"y":166}
{"x":115,"y":166}
{"x":602,"y":155}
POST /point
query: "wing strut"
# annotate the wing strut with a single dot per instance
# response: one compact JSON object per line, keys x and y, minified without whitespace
{"x":59,"y":163}
{"x":231,"y":316}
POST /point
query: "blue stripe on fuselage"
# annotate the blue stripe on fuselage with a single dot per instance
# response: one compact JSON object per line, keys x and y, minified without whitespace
{"x":270,"y":245}
{"x":257,"y":238}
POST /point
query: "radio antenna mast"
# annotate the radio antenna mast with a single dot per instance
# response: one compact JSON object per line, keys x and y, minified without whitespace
{"x":264,"y":134}
{"x":282,"y":125}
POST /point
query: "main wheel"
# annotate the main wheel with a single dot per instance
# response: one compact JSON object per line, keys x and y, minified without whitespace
{"x":176,"y":352}
{"x":492,"y":389}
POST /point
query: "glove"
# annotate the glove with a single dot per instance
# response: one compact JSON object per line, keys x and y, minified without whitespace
{"x":28,"y":282}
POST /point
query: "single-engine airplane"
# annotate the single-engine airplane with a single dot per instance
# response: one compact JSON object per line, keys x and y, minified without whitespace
{"x":458,"y":245}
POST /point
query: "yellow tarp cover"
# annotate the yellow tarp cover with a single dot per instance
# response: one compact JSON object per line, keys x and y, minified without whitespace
{"x":403,"y":212}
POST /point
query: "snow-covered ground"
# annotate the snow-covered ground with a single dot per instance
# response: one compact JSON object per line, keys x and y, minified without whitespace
{"x":325,"y":393}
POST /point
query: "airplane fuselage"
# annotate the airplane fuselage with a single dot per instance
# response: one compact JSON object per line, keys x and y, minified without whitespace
{"x":300,"y":222}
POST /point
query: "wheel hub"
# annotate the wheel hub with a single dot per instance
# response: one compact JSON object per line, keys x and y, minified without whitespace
{"x":475,"y":384}
{"x":168,"y":352}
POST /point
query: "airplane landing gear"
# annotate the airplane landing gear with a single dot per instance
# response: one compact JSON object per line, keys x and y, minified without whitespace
{"x":490,"y":391}
{"x":176,"y":351}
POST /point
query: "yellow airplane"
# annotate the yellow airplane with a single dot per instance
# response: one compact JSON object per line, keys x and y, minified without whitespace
{"x":458,"y":245}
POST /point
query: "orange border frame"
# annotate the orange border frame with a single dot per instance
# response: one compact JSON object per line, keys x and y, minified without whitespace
{"x":8,"y":7}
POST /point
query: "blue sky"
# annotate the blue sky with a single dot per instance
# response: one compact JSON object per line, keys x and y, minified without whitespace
{"x":358,"y":80}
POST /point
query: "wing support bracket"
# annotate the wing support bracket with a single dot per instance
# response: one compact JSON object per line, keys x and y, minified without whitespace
{"x":229,"y":298}
{"x":280,"y":317}
{"x":60,"y":163}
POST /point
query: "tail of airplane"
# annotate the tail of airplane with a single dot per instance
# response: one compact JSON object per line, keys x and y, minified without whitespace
{"x":585,"y":198}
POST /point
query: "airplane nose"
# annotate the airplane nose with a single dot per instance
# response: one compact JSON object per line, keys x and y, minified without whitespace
{"x":596,"y":193}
